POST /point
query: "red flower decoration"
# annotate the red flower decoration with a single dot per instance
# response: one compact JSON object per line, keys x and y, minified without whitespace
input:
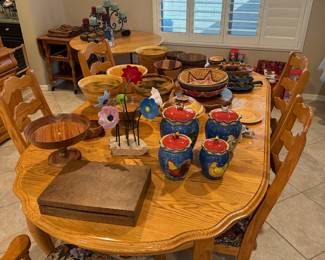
{"x":132,"y":73}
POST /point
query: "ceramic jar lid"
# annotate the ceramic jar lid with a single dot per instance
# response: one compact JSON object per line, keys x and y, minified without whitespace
{"x":175,"y":113}
{"x":176,"y":141}
{"x":224,"y":115}
{"x":215,"y":145}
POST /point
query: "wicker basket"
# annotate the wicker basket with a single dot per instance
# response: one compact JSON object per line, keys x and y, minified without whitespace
{"x":94,"y":86}
{"x":118,"y":71}
{"x":149,"y":54}
{"x":216,"y":60}
{"x":163,"y":84}
{"x":170,"y":68}
{"x":203,"y":79}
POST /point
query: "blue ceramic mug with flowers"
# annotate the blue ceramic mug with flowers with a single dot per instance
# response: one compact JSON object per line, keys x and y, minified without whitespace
{"x":175,"y":155}
{"x":223,"y":123}
{"x":179,"y":119}
{"x":214,"y":158}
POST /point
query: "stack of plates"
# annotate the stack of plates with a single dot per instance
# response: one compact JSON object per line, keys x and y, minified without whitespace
{"x":203,"y":82}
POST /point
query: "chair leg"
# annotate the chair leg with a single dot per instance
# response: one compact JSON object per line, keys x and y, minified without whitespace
{"x":255,"y":245}
{"x":42,"y":239}
{"x":203,"y":249}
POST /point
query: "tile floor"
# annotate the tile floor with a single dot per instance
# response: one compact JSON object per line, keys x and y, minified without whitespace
{"x":294,"y":230}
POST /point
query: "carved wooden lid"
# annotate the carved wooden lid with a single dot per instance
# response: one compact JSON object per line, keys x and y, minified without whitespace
{"x":224,"y":115}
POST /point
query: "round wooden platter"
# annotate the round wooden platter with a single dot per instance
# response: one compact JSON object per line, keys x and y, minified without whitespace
{"x":248,"y":116}
{"x":58,"y":132}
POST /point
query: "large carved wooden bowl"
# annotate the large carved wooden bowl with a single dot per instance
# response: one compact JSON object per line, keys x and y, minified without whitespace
{"x":58,"y":132}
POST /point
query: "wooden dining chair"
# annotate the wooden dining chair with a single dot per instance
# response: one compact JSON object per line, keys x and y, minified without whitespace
{"x":18,"y":249}
{"x":15,"y":111}
{"x":96,"y":58}
{"x":240,"y":239}
{"x":288,"y":88}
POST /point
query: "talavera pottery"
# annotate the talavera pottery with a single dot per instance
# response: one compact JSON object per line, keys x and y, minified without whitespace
{"x":175,"y":155}
{"x":223,"y":123}
{"x":214,"y":158}
{"x":180,"y":119}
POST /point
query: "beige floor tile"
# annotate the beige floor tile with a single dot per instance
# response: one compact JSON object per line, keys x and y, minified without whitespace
{"x":7,"y":196}
{"x":320,"y":257}
{"x":12,"y":224}
{"x":317,"y":194}
{"x":271,"y":246}
{"x":317,"y":151}
{"x":309,"y":172}
{"x":8,"y":157}
{"x":301,"y":222}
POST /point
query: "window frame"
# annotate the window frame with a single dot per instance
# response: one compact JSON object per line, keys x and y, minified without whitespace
{"x":224,"y":40}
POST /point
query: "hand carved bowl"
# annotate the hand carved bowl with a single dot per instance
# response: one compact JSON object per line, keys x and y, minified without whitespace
{"x":58,"y":132}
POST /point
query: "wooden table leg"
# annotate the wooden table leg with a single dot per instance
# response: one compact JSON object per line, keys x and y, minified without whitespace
{"x":42,"y":239}
{"x":160,"y":257}
{"x":203,"y":249}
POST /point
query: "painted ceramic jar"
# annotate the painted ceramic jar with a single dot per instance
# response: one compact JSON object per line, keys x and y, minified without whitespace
{"x":223,"y":123}
{"x":175,"y":155}
{"x":214,"y":158}
{"x":179,"y":119}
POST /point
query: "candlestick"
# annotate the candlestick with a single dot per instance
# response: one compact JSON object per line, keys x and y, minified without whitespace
{"x":93,"y":10}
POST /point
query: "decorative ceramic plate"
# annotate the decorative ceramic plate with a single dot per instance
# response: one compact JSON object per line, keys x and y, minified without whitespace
{"x":248,"y":116}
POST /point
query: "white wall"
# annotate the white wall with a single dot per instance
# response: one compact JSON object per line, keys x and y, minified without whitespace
{"x":36,"y":17}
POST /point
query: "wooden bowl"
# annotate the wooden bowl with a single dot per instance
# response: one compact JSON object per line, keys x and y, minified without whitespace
{"x":216,"y":60}
{"x":170,"y":68}
{"x":58,"y":132}
{"x":118,"y":69}
{"x":94,"y":86}
{"x":95,"y":130}
{"x":149,"y":54}
{"x":192,"y":59}
{"x":162,"y":83}
{"x":173,"y":55}
{"x":203,"y":79}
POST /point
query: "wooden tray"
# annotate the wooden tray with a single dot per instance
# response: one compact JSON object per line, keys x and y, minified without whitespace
{"x":248,"y":116}
{"x":223,"y":99}
{"x":99,"y":192}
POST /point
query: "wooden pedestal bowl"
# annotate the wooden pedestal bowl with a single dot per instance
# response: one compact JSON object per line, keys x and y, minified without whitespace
{"x":58,"y":132}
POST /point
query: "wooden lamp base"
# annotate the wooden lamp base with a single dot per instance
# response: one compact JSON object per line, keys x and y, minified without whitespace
{"x":64,"y":155}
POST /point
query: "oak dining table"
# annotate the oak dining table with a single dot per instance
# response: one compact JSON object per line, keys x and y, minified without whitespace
{"x":176,"y":215}
{"x":124,"y":44}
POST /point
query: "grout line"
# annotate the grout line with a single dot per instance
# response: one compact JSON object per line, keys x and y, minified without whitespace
{"x":317,"y":255}
{"x":294,"y":195}
{"x":276,"y":231}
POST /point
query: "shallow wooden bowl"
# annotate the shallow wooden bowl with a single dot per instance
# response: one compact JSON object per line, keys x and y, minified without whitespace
{"x":196,"y":79}
{"x":57,"y":131}
{"x":94,"y":86}
{"x":170,"y":68}
{"x":192,"y":59}
{"x":173,"y":55}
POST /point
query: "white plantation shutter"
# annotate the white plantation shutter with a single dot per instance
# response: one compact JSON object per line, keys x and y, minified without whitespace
{"x":285,"y":23}
{"x":268,"y":24}
{"x":207,"y":16}
{"x":173,"y":15}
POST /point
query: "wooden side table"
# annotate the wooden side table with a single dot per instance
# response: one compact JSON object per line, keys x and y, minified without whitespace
{"x":58,"y":51}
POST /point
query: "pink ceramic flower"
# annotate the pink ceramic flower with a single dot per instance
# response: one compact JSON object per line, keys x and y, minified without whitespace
{"x":108,"y":117}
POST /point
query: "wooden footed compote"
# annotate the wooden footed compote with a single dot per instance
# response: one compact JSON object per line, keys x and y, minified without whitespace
{"x":58,"y":132}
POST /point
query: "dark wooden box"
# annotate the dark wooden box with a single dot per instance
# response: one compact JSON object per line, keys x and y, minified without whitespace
{"x":99,"y":192}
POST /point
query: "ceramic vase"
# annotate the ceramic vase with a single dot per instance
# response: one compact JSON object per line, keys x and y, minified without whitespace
{"x":214,"y":158}
{"x":182,"y":120}
{"x":224,"y":124}
{"x":175,"y":155}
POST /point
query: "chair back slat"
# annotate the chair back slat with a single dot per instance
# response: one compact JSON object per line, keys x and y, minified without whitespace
{"x":104,"y":58}
{"x":294,"y":144}
{"x":15,"y":111}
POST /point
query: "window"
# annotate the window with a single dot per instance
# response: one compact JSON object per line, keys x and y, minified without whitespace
{"x":275,"y":24}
